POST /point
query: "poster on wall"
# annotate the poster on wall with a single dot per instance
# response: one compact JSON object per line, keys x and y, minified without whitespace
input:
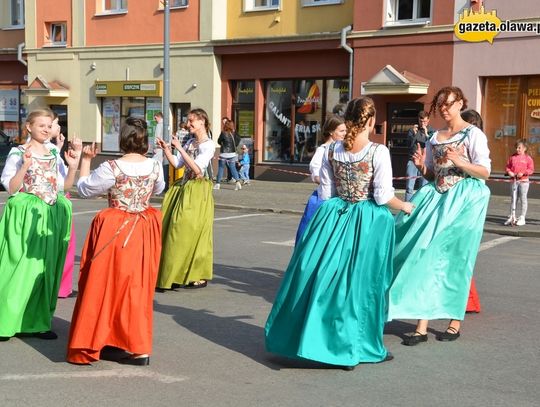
{"x":9,"y":105}
{"x":153,"y":106}
{"x":111,"y":124}
{"x":245,"y":123}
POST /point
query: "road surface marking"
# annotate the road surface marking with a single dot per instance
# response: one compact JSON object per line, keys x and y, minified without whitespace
{"x":240,"y":216}
{"x":87,"y":212}
{"x":123,"y":373}
{"x":289,"y":243}
{"x":496,"y":242}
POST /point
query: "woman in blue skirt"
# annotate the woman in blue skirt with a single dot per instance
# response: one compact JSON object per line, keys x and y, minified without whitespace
{"x":333,"y":129}
{"x":436,"y":246}
{"x":331,"y":306}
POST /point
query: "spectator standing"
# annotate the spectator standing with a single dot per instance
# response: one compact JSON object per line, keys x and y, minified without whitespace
{"x":417,"y":135}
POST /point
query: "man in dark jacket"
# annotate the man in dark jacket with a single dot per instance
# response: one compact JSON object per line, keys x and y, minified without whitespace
{"x":419,"y":134}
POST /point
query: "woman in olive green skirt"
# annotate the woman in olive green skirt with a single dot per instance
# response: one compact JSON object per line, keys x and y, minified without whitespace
{"x":188,"y":211}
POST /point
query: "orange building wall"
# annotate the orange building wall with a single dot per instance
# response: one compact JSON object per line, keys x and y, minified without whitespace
{"x":142,"y":24}
{"x":52,"y":11}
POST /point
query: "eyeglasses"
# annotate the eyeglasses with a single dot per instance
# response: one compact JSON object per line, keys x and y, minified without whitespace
{"x":446,"y":105}
{"x":132,"y":121}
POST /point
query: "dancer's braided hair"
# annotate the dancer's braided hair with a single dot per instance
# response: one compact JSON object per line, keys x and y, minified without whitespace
{"x":357,"y":114}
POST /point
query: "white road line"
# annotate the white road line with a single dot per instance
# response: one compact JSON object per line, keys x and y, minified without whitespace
{"x":289,"y":243}
{"x":496,"y":242}
{"x":240,"y":216}
{"x":123,"y":373}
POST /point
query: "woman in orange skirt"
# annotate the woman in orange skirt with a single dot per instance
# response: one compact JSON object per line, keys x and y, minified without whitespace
{"x":120,"y":259}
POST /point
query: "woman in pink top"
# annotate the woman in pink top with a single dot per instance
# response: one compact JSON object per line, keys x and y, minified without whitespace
{"x":519,"y":166}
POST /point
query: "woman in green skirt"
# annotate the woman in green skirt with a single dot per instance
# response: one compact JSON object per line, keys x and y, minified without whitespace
{"x":34,"y":230}
{"x":331,"y":306}
{"x":188,"y":211}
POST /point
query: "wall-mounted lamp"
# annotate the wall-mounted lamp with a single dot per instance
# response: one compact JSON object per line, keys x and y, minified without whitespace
{"x":193,"y":85}
{"x":93,"y":66}
{"x":277,"y":19}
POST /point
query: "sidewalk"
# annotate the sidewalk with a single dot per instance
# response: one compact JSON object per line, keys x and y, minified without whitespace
{"x":291,"y":197}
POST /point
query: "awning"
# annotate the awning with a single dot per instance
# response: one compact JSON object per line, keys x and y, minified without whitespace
{"x":41,"y":87}
{"x":388,"y":81}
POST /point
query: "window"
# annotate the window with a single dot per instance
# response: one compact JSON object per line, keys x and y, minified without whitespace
{"x":320,"y":2}
{"x":178,"y":3}
{"x":57,"y":34}
{"x":114,"y":5}
{"x":17,"y":12}
{"x":403,"y":12}
{"x":258,"y":5}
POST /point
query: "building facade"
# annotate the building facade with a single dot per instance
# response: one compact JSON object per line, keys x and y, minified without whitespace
{"x":99,"y":61}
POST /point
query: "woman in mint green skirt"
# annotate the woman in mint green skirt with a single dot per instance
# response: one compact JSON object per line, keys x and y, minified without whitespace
{"x":436,"y":247}
{"x":331,"y":306}
{"x":34,"y":230}
{"x":188,"y":211}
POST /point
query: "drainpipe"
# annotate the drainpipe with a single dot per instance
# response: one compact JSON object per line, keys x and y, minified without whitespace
{"x":344,"y":45}
{"x":19,"y":54}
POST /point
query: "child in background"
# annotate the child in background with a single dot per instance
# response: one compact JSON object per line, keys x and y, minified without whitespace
{"x":244,"y":165}
{"x":519,"y":166}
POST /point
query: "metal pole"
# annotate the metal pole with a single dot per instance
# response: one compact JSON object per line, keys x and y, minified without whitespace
{"x":166,"y":71}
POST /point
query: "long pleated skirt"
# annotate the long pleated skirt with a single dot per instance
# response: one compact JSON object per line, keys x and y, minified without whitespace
{"x":436,"y":249}
{"x":33,"y":241}
{"x":188,"y":217}
{"x":332,"y":303}
{"x":117,"y":278}
{"x":313,"y":203}
{"x":66,"y":283}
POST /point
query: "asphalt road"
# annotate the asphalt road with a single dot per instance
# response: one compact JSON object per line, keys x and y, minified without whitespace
{"x":209,"y":343}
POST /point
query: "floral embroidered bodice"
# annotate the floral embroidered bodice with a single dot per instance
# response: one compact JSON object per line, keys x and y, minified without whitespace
{"x":41,"y":179}
{"x":192,"y":148}
{"x":446,"y":173}
{"x":354,"y":179}
{"x":131,"y":193}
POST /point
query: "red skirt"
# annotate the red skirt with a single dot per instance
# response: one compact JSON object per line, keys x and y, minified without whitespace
{"x":473,"y":304}
{"x":118,"y":273}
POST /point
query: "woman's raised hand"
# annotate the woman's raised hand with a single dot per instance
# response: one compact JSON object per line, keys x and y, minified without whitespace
{"x":419,"y":156}
{"x":176,"y":143}
{"x":89,"y":151}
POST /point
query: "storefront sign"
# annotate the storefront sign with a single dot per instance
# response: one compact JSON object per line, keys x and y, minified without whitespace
{"x":128,"y":88}
{"x":9,"y":105}
{"x":535,"y":114}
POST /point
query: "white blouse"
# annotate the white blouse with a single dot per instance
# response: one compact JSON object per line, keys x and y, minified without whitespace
{"x":383,"y":191}
{"x":476,"y":145}
{"x":14,"y":162}
{"x":102,"y":178}
{"x":324,"y":189}
{"x":202,"y":158}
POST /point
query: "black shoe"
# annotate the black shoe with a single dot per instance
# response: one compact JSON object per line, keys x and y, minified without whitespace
{"x":415,"y":339}
{"x":160,"y":290}
{"x":348,"y":368}
{"x":388,"y":358}
{"x":143,"y":361}
{"x":4,"y":338}
{"x":196,"y":284}
{"x":48,"y":335}
{"x":451,"y":334}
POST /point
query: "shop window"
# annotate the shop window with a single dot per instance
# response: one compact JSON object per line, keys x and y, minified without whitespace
{"x":320,"y":2}
{"x":308,"y":118}
{"x":111,"y":6}
{"x":337,"y":96}
{"x":511,"y":112}
{"x":260,"y":5}
{"x":406,"y":12}
{"x":277,"y":141}
{"x":56,"y":34}
{"x":17,"y":13}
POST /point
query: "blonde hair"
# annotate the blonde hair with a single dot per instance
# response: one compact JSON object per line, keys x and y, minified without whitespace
{"x":357,"y":114}
{"x":31,"y":118}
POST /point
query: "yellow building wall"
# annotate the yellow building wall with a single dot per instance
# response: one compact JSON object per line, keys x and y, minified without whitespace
{"x":291,"y":19}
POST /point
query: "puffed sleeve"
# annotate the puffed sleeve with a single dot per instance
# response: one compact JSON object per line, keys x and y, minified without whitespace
{"x":12,"y":165}
{"x":159,"y":186}
{"x":316,"y":162}
{"x":383,"y":190}
{"x":326,"y":175}
{"x":478,"y":148}
{"x":206,"y":152}
{"x":97,"y":183}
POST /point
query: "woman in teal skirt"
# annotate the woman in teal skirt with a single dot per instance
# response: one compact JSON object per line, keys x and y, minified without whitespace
{"x":188,"y":211}
{"x":436,"y":247}
{"x":331,"y":306}
{"x":34,"y":230}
